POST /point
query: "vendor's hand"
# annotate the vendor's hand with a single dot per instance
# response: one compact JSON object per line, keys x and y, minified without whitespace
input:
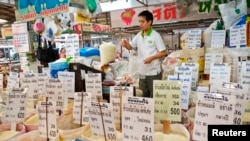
{"x":124,"y":43}
{"x":148,"y":60}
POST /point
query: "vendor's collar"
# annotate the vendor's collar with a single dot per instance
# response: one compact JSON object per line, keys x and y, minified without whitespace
{"x":148,"y":32}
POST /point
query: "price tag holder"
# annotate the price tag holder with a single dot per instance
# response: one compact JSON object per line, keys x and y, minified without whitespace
{"x":15,"y":110}
{"x":137,"y":119}
{"x":102,"y":120}
{"x":212,"y":108}
{"x":167,"y":96}
{"x":47,"y":126}
{"x":94,"y":85}
{"x":55,"y":92}
{"x":115,"y":99}
{"x":81,"y":104}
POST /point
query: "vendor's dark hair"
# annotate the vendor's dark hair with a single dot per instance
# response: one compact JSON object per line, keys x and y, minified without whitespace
{"x":148,"y":15}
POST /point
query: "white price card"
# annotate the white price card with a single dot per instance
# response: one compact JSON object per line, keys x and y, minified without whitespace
{"x":81,"y":107}
{"x":238,"y":36}
{"x":55,"y":92}
{"x":102,"y":120}
{"x":42,"y":78}
{"x":212,"y":108}
{"x":15,"y":110}
{"x":47,"y":125}
{"x":241,"y":97}
{"x":211,"y":58}
{"x":219,"y":73}
{"x":194,"y":67}
{"x":244,"y":75}
{"x":115,"y":93}
{"x":29,"y":80}
{"x":1,"y":82}
{"x":186,"y":81}
{"x":167,"y":96}
{"x":93,"y":84}
{"x":72,"y":45}
{"x":13,"y":81}
{"x":194,"y":39}
{"x":218,"y":38}
{"x":137,"y":119}
{"x":68,"y":82}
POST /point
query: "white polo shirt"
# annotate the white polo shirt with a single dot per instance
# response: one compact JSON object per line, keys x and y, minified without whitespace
{"x":149,"y":45}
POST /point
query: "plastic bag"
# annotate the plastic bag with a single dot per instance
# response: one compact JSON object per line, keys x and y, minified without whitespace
{"x":233,"y":12}
{"x":55,"y":67}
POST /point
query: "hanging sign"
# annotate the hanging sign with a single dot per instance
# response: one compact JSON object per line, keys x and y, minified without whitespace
{"x":20,"y":37}
{"x":31,"y":9}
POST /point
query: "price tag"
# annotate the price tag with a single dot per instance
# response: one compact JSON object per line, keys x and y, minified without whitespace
{"x":42,"y":78}
{"x":98,"y":125}
{"x":72,"y":45}
{"x":68,"y":82}
{"x":186,"y":81}
{"x":211,"y":58}
{"x":47,"y":119}
{"x":244,"y":75}
{"x":29,"y":80}
{"x":55,"y":92}
{"x":194,"y":39}
{"x":15,"y":110}
{"x":240,"y":94}
{"x":238,"y":36}
{"x":212,"y":108}
{"x":94,"y":85}
{"x":219,"y":73}
{"x":167,"y":96}
{"x":13,"y":81}
{"x":194,"y":67}
{"x":218,"y":38}
{"x":115,"y":99}
{"x":137,"y":119}
{"x":81,"y":102}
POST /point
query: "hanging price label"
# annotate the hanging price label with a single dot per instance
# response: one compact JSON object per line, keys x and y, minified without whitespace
{"x":47,"y":119}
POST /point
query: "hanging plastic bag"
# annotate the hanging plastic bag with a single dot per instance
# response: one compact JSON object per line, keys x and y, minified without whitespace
{"x":233,"y":12}
{"x":92,"y":5}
